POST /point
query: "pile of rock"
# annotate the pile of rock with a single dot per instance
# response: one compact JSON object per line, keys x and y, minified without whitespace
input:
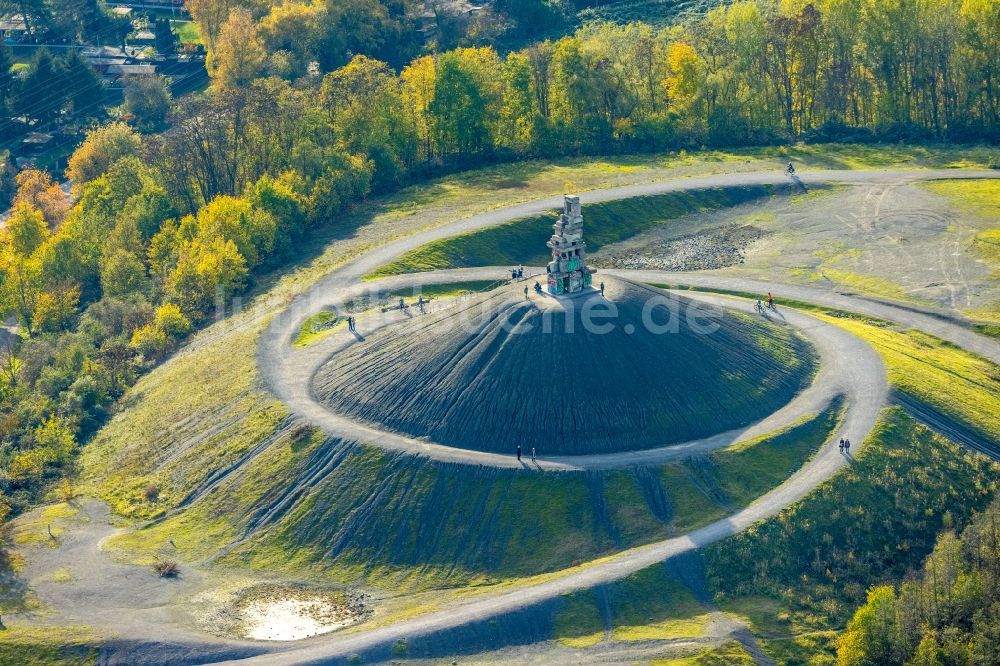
{"x":717,"y":248}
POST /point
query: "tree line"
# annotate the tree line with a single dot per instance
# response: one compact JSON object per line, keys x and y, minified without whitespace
{"x":162,"y":232}
{"x":750,"y":72}
{"x":50,"y":89}
{"x":947,"y":613}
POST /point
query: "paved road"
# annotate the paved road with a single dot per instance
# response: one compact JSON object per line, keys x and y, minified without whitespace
{"x":863,"y":408}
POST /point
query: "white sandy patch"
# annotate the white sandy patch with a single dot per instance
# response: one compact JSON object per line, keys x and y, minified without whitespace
{"x":292,"y":619}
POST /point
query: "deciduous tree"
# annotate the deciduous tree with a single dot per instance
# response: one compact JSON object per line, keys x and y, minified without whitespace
{"x":102,"y":147}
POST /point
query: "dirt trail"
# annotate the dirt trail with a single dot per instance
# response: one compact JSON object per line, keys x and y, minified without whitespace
{"x":79,"y":584}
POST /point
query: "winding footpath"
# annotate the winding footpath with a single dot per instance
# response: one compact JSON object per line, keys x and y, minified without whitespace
{"x":859,"y":373}
{"x":848,"y":367}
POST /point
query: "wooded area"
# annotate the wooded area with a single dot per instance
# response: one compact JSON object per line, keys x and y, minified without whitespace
{"x":946,"y":614}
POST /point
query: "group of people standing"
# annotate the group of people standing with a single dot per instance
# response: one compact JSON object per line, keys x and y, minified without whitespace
{"x":845,"y":446}
{"x":517,"y":273}
{"x":519,"y":453}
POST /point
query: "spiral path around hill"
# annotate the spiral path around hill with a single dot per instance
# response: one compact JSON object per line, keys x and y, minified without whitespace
{"x":848,"y":367}
{"x":146,"y":615}
{"x":281,"y":366}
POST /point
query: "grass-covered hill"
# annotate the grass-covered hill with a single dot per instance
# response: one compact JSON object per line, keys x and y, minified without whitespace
{"x":200,"y":443}
{"x":308,"y":505}
{"x":593,"y":374}
{"x":797,"y":578}
{"x":184,"y":431}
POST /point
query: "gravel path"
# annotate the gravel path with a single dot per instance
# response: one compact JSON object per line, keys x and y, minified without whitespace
{"x":928,"y":321}
{"x":79,"y":584}
{"x":293,"y":384}
{"x":870,"y":386}
{"x":870,"y":394}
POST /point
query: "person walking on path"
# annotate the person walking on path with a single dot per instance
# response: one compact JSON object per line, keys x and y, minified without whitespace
{"x":841,"y":446}
{"x":350,"y":324}
{"x":525,"y":293}
{"x":770,"y":300}
{"x":602,"y":289}
{"x":532,"y":454}
{"x":847,"y":446}
{"x":518,"y":453}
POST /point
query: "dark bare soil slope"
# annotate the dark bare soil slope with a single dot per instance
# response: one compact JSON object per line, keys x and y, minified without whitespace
{"x":651,"y":369}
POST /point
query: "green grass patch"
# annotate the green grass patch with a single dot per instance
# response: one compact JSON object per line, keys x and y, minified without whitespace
{"x":523,"y":241}
{"x":44,"y":525}
{"x":865,"y":284}
{"x":807,"y":568}
{"x":187,"y":32}
{"x":747,"y":471}
{"x":692,"y":508}
{"x":62,"y":575}
{"x":28,"y":645}
{"x":989,"y":330}
{"x":447,"y":290}
{"x":987,"y":245}
{"x":198,"y":412}
{"x":317,"y":327}
{"x":324,"y":323}
{"x":579,"y":624}
{"x":937,"y":373}
{"x":730,"y":653}
{"x":443,"y":291}
{"x":629,"y":511}
{"x":814,"y":648}
{"x":978,"y":197}
{"x":652,"y":605}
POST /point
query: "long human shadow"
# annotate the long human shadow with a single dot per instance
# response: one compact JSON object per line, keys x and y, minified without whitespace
{"x":798,"y":181}
{"x":774,"y":311}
